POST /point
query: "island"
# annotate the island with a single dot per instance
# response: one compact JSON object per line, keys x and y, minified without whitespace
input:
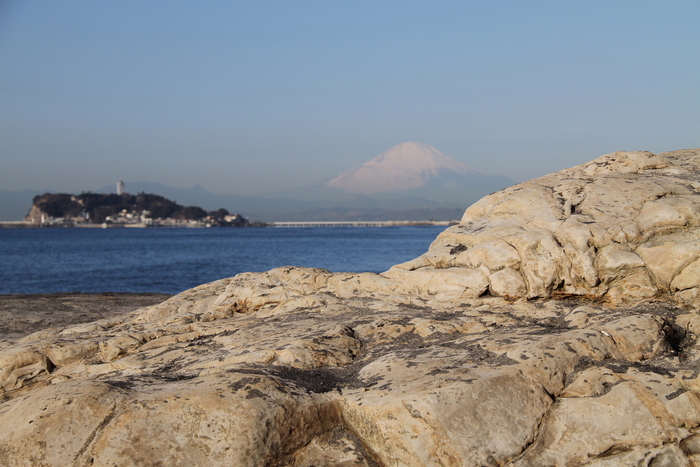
{"x":124,"y":210}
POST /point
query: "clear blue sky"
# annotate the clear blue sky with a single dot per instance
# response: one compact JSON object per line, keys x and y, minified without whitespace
{"x":254,"y":96}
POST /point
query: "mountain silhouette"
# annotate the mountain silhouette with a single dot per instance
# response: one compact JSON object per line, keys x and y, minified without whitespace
{"x":406,"y":166}
{"x":410,"y":177}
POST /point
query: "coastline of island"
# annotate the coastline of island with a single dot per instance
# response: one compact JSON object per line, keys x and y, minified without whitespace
{"x":197,"y":224}
{"x":144,"y":210}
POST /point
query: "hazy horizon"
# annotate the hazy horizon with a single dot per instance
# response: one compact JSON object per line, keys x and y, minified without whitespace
{"x":256,"y":97}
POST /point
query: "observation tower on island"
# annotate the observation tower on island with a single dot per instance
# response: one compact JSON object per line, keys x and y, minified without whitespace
{"x":120,"y":187}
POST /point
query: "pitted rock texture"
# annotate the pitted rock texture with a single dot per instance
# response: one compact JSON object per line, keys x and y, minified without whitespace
{"x":554,"y":326}
{"x":622,"y":227}
{"x":22,"y":314}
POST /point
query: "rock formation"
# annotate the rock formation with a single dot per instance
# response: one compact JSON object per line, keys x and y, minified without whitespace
{"x":555,"y":325}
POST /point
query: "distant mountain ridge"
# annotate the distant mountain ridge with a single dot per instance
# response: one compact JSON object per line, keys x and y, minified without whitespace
{"x":405,"y":166}
{"x":414,"y":174}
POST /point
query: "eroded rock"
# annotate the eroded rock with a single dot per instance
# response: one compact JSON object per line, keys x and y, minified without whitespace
{"x":553,"y":326}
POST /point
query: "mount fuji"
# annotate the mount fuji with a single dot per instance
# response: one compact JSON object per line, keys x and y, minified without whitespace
{"x":410,"y":181}
{"x":412,"y":169}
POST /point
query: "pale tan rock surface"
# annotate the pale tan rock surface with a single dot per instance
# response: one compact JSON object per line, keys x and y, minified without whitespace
{"x":555,"y":325}
{"x":22,"y":314}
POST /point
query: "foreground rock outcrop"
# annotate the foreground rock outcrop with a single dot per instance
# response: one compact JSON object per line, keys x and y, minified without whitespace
{"x":22,"y":314}
{"x":555,"y":325}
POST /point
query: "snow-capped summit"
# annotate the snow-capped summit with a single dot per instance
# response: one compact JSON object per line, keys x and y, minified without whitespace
{"x":406,"y":166}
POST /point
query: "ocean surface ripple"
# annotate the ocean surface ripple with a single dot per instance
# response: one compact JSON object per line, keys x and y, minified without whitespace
{"x":172,"y":260}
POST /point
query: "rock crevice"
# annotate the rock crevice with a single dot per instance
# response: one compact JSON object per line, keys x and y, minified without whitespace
{"x":555,"y":325}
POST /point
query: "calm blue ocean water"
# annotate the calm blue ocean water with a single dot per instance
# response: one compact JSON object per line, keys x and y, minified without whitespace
{"x":173,"y":260}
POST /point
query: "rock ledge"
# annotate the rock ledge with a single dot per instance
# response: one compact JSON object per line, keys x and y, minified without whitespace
{"x":555,"y":325}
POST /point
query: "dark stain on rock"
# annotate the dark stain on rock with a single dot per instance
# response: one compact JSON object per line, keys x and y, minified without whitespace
{"x":318,"y":380}
{"x":178,"y":377}
{"x":478,"y":354}
{"x":256,"y":394}
{"x":120,"y":383}
{"x":244,"y":383}
{"x":621,"y":366}
{"x":675,"y":394}
{"x":458,"y":249}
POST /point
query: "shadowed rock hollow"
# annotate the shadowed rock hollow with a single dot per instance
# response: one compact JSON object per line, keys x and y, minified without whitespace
{"x":555,"y":325}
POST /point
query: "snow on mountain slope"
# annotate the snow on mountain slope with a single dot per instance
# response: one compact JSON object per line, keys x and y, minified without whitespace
{"x":405,"y":166}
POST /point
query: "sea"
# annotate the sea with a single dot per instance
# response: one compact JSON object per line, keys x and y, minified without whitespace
{"x":171,"y":260}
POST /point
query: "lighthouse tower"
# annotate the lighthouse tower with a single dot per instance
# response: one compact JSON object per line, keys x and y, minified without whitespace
{"x":120,"y":187}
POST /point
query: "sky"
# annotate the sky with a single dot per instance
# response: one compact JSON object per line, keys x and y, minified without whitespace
{"x":252,"y":97}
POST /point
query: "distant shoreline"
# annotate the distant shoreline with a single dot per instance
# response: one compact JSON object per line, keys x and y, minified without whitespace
{"x":282,"y":224}
{"x":296,"y":224}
